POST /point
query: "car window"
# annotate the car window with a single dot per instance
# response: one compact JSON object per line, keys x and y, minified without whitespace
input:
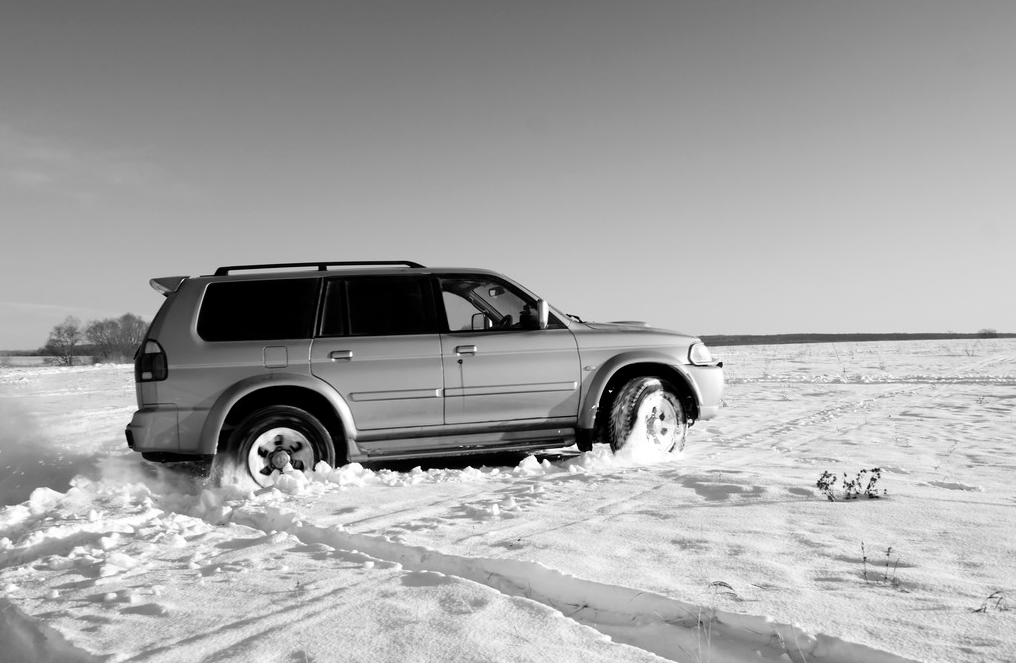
{"x":259,"y":310}
{"x":459,"y":311}
{"x":477,"y":303}
{"x":378,"y":306}
{"x":333,"y":309}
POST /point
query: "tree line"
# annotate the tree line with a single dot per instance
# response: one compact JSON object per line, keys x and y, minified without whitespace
{"x":107,"y":340}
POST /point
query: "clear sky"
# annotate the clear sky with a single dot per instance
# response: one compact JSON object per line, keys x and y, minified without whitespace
{"x":717,"y":167}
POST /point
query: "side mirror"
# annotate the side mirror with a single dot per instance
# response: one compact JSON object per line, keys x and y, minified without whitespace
{"x":480,"y":322}
{"x":535,"y":319}
{"x":543,"y":313}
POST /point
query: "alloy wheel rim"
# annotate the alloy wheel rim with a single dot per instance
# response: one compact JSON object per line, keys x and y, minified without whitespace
{"x":662,"y":420}
{"x":273,"y":450}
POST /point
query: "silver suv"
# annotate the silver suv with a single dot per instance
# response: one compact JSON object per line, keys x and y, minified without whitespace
{"x":293,"y":364}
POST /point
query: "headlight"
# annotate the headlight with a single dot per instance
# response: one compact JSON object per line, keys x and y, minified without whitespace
{"x":699,"y":354}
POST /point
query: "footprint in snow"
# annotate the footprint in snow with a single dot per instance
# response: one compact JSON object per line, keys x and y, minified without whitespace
{"x":426,"y":579}
{"x":950,"y":485}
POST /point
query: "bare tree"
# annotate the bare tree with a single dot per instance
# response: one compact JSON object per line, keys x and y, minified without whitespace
{"x":62,"y":340}
{"x":116,"y":339}
{"x":132,"y":333}
{"x":102,"y":334}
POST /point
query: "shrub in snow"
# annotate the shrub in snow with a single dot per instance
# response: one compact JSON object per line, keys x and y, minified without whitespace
{"x":996,"y":600}
{"x":852,"y":488}
{"x":887,"y":577}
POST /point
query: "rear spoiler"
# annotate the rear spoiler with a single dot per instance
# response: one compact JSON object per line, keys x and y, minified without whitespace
{"x":167,"y":284}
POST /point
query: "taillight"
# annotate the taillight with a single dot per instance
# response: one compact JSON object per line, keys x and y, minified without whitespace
{"x":150,"y":363}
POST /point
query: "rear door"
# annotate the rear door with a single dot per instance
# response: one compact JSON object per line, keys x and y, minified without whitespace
{"x":378,"y":345}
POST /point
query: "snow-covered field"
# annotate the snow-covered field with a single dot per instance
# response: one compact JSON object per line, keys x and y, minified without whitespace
{"x":727,"y":552}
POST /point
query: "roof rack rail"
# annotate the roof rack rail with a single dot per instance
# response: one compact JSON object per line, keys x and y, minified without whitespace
{"x":321,"y":266}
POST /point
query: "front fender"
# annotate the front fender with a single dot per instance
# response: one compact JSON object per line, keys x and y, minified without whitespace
{"x":604,"y":372}
{"x":217,"y":414}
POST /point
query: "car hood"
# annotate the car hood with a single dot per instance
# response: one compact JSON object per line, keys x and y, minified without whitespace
{"x":634,"y":326}
{"x":629,"y":335}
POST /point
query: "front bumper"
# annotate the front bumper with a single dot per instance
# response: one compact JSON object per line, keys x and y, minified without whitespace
{"x":708,"y":382}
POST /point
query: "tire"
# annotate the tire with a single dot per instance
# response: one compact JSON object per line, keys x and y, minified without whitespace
{"x":270,"y":438}
{"x":654,"y":403}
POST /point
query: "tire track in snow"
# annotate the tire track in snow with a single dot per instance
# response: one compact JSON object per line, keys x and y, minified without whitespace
{"x":835,"y":379}
{"x":670,"y":628}
{"x":768,"y":430}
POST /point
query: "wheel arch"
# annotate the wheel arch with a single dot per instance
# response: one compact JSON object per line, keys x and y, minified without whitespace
{"x":304,"y":392}
{"x":617,"y":371}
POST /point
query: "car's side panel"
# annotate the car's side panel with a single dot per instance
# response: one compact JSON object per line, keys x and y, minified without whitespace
{"x":387,"y":381}
{"x":215,"y":416}
{"x":599,"y":374}
{"x":201,"y":372}
{"x":509,"y":376}
{"x":509,"y":436}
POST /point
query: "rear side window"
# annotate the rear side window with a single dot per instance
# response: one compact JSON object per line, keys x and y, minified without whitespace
{"x":264,"y":310}
{"x":379,"y":306}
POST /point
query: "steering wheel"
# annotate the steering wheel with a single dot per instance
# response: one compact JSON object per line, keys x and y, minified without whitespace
{"x":505,"y":322}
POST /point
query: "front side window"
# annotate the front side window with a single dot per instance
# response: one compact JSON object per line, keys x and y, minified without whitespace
{"x":259,"y":310}
{"x":378,"y":306}
{"x":478,"y":303}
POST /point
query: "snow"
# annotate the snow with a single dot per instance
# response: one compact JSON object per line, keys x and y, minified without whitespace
{"x":727,"y":552}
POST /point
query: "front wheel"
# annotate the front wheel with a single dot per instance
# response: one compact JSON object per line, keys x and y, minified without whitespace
{"x":272,"y":438}
{"x":648,"y":406}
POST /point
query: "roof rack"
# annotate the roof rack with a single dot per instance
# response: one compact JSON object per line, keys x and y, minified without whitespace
{"x":321,"y":266}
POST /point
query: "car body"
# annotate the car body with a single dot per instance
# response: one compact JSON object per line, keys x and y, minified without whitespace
{"x":293,"y":364}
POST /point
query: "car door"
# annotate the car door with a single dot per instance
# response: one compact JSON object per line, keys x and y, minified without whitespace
{"x":378,"y":346}
{"x":498,"y":366}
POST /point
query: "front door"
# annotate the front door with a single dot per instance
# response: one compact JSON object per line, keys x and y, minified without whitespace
{"x":498,"y":366}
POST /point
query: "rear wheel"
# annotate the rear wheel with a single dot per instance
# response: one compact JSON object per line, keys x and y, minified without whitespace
{"x":651,"y":405}
{"x":272,"y":438}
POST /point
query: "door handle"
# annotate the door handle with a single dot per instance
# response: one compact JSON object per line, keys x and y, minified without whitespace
{"x":335,"y":355}
{"x":465,"y":349}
